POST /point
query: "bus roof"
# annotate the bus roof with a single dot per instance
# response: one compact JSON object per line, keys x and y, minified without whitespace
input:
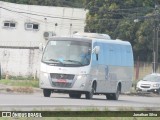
{"x":121,"y":42}
{"x":117,"y":41}
{"x":100,"y":37}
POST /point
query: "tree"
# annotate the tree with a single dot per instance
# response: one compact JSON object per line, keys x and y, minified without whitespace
{"x":116,"y":18}
{"x":61,"y":3}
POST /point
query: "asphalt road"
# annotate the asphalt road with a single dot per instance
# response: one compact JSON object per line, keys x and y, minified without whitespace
{"x":36,"y":101}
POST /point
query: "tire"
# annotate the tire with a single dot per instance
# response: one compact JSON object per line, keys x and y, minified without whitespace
{"x":89,"y":95}
{"x":113,"y":96}
{"x":46,"y":92}
{"x":74,"y":95}
{"x":158,"y":92}
{"x":109,"y":96}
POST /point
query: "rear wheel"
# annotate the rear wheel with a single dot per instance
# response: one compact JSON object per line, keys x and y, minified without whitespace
{"x":113,"y":96}
{"x":46,"y":92}
{"x":109,"y":96}
{"x":74,"y":95}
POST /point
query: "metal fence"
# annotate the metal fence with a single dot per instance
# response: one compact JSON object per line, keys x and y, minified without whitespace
{"x":143,"y":68}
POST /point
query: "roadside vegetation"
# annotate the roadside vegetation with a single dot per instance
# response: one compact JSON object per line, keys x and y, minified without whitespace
{"x":61,"y":3}
{"x":20,"y":83}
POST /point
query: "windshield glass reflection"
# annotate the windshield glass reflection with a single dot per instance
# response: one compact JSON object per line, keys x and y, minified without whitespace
{"x":70,"y":53}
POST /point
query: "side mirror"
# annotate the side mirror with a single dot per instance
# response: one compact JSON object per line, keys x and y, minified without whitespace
{"x":96,"y":49}
{"x":41,"y":47}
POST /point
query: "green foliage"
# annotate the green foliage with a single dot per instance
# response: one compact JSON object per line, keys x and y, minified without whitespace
{"x":62,"y":3}
{"x":22,"y":83}
{"x":116,"y":18}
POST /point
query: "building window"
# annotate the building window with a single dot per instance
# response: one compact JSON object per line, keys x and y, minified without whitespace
{"x":31,"y":26}
{"x":9,"y":24}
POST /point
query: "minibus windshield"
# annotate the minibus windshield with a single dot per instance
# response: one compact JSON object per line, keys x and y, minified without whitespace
{"x":70,"y":53}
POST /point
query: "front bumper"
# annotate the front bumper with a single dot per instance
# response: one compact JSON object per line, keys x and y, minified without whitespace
{"x":156,"y":90}
{"x":78,"y":84}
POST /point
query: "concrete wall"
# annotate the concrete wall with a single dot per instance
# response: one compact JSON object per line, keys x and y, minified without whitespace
{"x":19,"y":54}
{"x":20,"y":62}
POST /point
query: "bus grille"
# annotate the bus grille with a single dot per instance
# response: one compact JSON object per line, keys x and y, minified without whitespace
{"x":62,"y":76}
{"x":66,"y":77}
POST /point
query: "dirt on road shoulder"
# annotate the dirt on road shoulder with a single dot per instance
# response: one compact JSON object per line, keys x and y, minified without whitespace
{"x":18,"y":89}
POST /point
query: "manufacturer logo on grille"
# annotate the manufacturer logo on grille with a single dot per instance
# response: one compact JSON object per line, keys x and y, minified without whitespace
{"x":61,"y":76}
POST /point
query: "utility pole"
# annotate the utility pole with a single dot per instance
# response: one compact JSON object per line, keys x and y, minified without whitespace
{"x":155,"y":37}
{"x":155,"y":41}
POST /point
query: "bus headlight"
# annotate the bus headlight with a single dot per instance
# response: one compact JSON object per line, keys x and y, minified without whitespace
{"x":81,"y":77}
{"x":83,"y":80}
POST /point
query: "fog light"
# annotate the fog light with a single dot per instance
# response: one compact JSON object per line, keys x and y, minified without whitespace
{"x":155,"y":90}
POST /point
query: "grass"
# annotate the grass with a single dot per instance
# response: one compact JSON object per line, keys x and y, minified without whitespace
{"x":20,"y":86}
{"x":21,"y":83}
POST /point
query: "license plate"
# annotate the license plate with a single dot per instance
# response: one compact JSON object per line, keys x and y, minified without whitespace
{"x":62,"y":81}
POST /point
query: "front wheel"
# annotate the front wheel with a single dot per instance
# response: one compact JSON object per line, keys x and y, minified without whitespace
{"x":89,"y":95}
{"x":46,"y":92}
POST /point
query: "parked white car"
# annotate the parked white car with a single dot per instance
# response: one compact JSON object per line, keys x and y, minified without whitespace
{"x":150,"y":83}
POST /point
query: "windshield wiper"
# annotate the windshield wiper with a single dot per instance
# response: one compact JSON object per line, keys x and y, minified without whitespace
{"x":74,"y":61}
{"x":54,"y":60}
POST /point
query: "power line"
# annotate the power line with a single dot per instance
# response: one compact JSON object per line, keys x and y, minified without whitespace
{"x":130,"y":9}
{"x":49,"y":24}
{"x":34,"y":11}
{"x":52,"y":16}
{"x":103,"y":19}
{"x":134,"y":9}
{"x":39,"y":14}
{"x":109,"y":12}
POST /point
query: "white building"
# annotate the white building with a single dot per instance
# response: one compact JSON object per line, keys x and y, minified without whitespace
{"x":22,"y":29}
